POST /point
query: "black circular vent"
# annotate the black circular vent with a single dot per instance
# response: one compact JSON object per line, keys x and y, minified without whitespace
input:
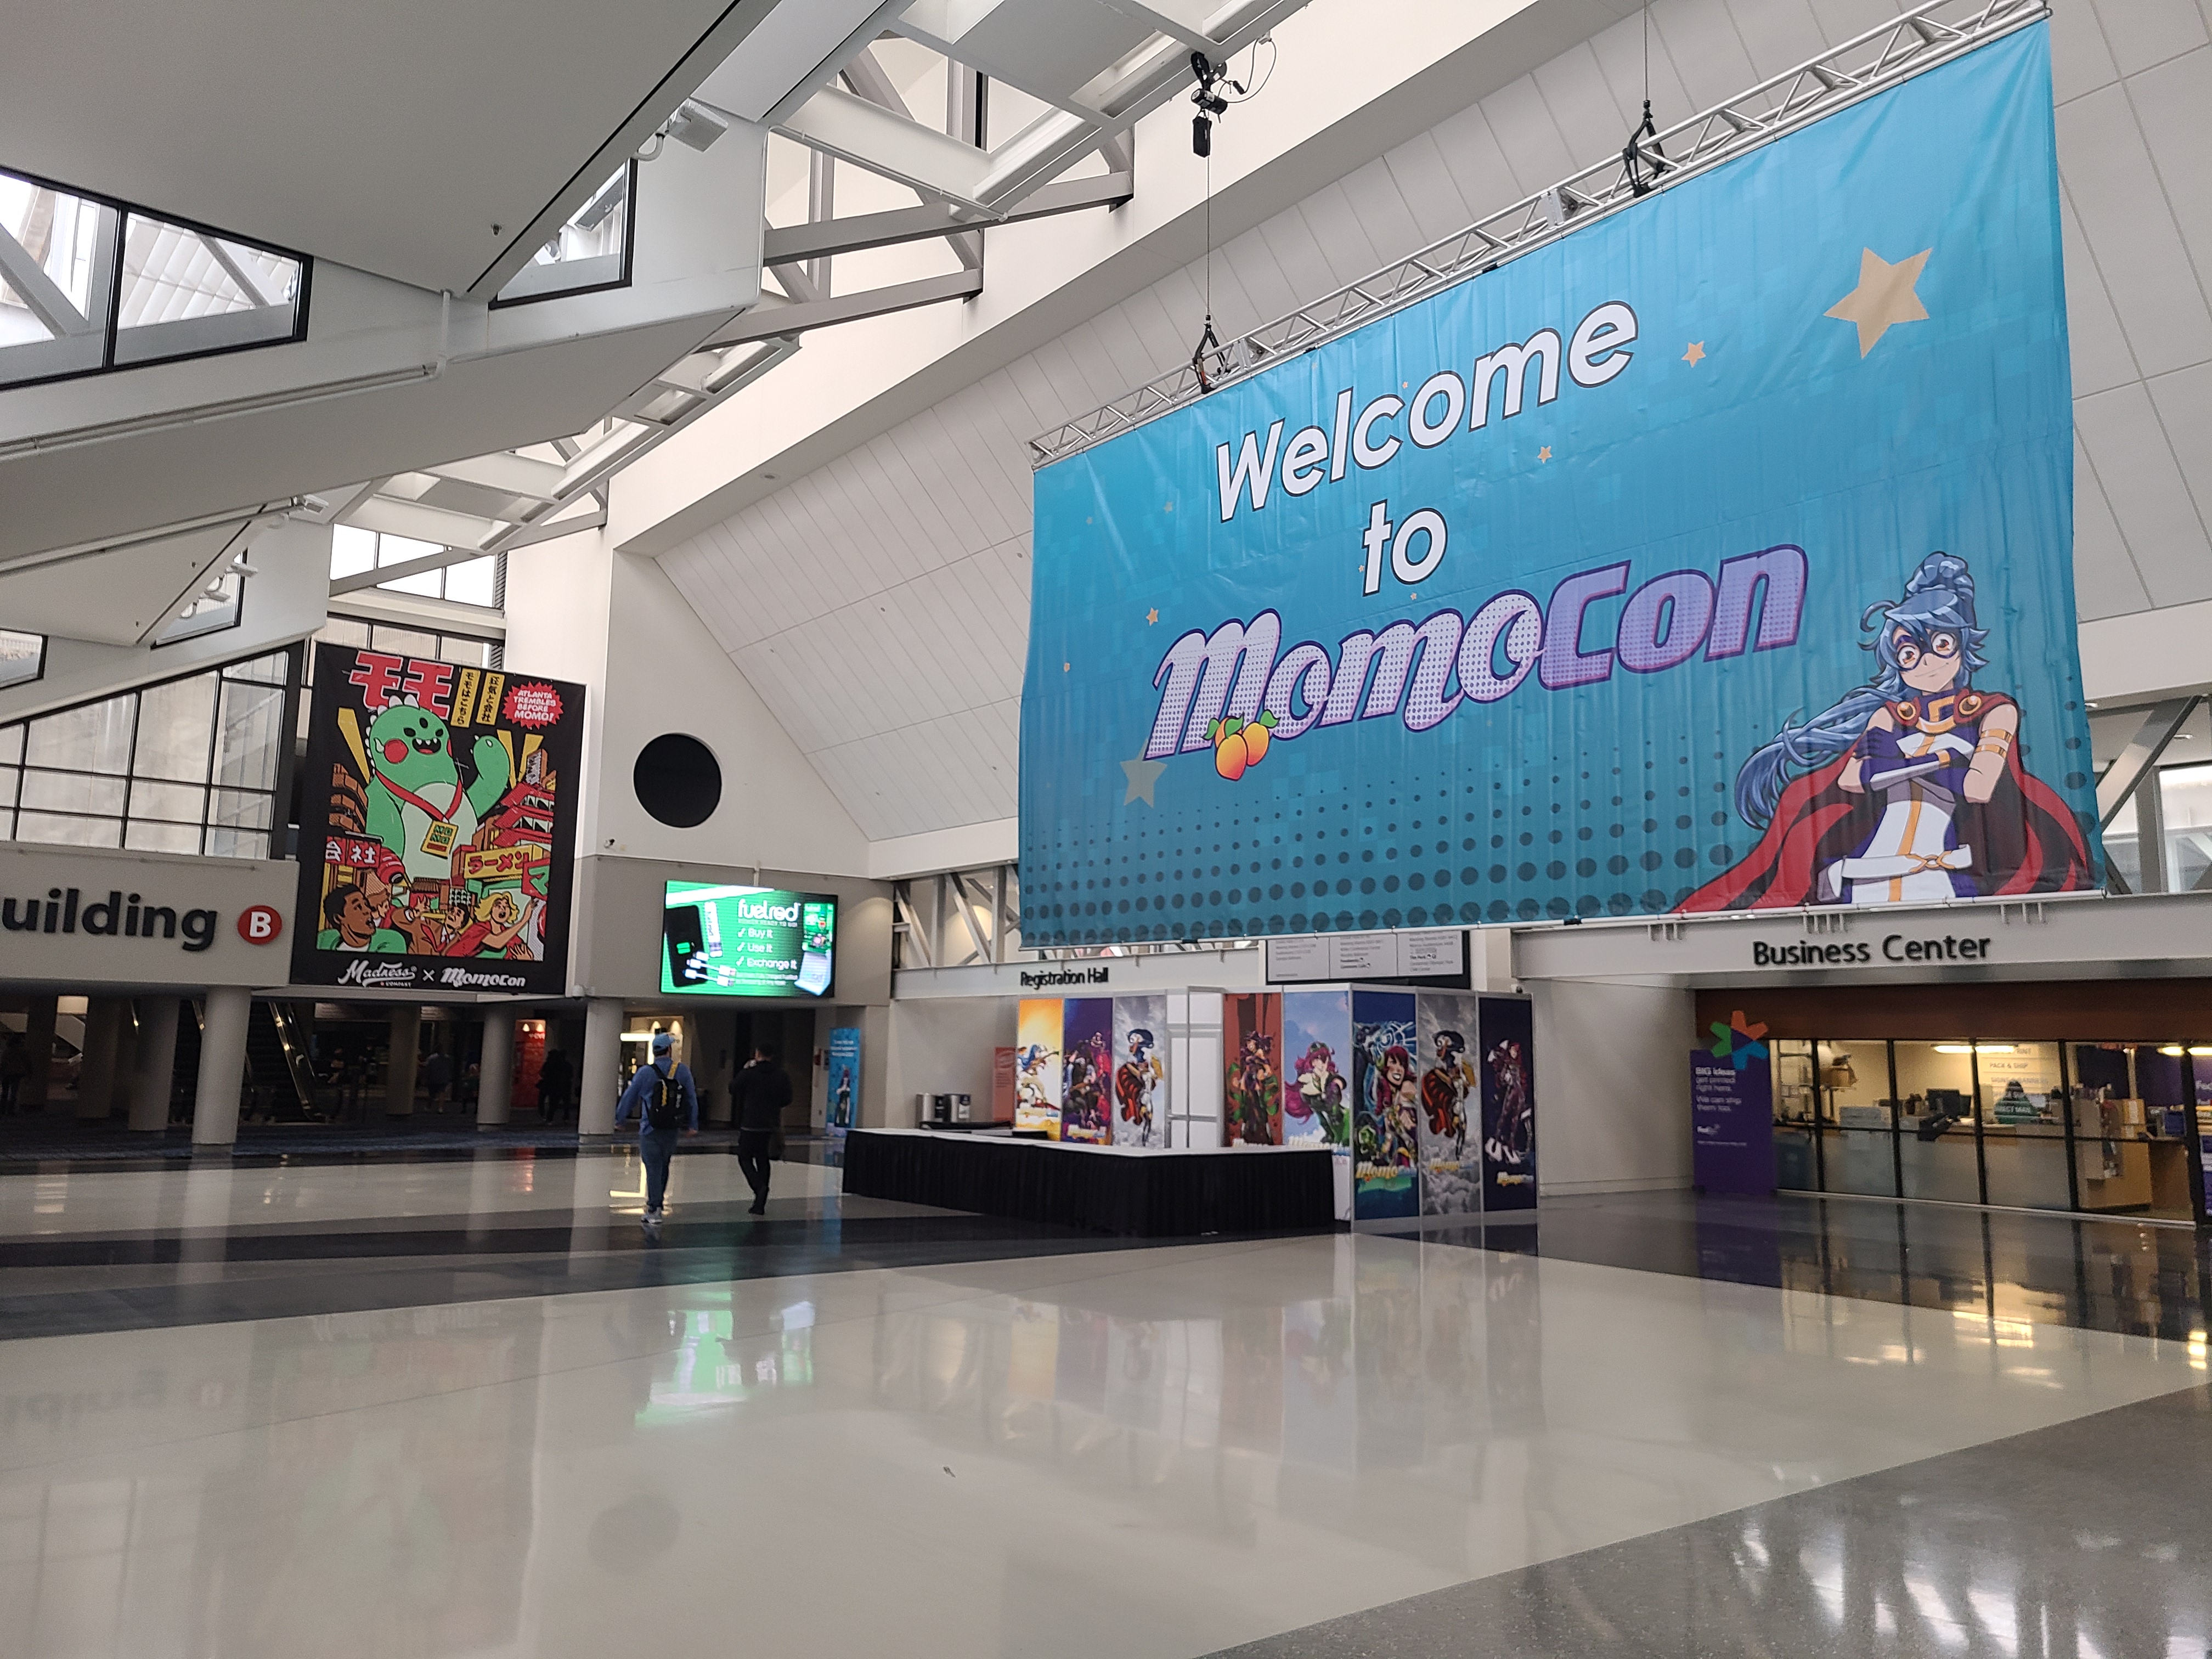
{"x":678,"y":780}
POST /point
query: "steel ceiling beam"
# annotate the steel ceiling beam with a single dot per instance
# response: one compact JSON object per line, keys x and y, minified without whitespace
{"x":1928,"y":33}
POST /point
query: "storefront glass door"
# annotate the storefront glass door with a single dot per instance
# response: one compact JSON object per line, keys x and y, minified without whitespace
{"x":1857,"y":1118}
{"x":2105,"y":1128}
{"x":2023,"y":1118}
{"x":1935,"y":1121}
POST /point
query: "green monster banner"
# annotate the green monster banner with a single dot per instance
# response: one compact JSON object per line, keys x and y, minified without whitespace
{"x":438,"y":837}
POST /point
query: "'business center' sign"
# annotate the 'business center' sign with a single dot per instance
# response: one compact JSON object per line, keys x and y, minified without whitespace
{"x":1900,"y":948}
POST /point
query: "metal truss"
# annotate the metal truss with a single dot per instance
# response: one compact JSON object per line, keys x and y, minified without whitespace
{"x":509,"y":501}
{"x":957,"y":917}
{"x":1920,"y":38}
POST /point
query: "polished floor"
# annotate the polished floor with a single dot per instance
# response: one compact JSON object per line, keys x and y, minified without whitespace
{"x":467,"y":1408}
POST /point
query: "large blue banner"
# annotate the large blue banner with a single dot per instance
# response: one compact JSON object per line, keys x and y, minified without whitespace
{"x":1715,"y":555}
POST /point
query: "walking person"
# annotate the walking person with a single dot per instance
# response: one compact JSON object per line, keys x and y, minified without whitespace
{"x":667,"y":1107}
{"x":554,"y":1074}
{"x":762,"y":1091}
{"x":14,"y":1066}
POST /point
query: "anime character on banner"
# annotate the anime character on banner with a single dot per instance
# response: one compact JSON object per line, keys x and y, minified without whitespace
{"x":1317,"y":1042}
{"x":1386,"y":1131}
{"x":1912,"y":788}
{"x":1038,"y":1074}
{"x":1088,"y":1035}
{"x":1251,"y":1034}
{"x":1508,"y":1105}
{"x":1140,"y":1071}
{"x":443,"y":829}
{"x":1450,"y":1180}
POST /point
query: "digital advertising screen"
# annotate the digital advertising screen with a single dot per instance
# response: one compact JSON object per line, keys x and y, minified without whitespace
{"x":724,"y":941}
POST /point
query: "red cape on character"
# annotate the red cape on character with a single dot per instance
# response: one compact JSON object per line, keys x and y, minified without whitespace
{"x":2024,"y":840}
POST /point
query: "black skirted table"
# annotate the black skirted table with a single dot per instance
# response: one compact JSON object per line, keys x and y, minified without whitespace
{"x":1135,"y":1192}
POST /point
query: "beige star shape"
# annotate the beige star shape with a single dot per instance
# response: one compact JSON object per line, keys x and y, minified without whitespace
{"x":1885,"y":296}
{"x":1152,"y":616}
{"x":1545,"y":453}
{"x":1696,"y":353}
{"x":1142,"y":774}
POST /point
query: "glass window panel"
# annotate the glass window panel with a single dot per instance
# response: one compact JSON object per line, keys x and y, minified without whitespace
{"x":429,"y":584}
{"x":186,"y":292}
{"x":146,"y":836}
{"x":11,"y":743}
{"x":242,"y":809}
{"x":472,"y":583}
{"x":399,"y":550}
{"x":2024,"y":1125}
{"x":472,"y":654}
{"x":2131,"y":1126}
{"x":1856,"y":1115}
{"x":250,"y":737}
{"x":53,"y":320}
{"x":95,"y":737}
{"x":1794,"y":1109}
{"x":274,"y":669}
{"x":405,"y":641}
{"x":2122,"y":845}
{"x":1935,"y":1122}
{"x":179,"y":803}
{"x":2185,"y":804}
{"x":343,"y":630}
{"x":224,"y":843}
{"x":9,"y":778}
{"x":172,"y":729}
{"x":352,"y":550}
{"x":68,"y":830}
{"x":21,"y":656}
{"x":72,"y":792}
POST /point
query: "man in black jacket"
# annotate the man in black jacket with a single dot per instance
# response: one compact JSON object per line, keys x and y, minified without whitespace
{"x":761,"y":1093}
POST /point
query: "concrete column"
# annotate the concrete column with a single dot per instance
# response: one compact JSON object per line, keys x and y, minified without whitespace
{"x":399,"y":1067}
{"x":103,"y":1036}
{"x":222,"y":1066}
{"x":39,"y":1043}
{"x":157,"y":1064}
{"x":599,"y":1082}
{"x":496,"y":1073}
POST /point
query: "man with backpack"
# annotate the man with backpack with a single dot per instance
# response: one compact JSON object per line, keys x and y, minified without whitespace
{"x":762,"y":1091}
{"x":667,"y":1105}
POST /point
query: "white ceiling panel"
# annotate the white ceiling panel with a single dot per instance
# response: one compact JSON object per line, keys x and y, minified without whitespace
{"x":880,"y":603}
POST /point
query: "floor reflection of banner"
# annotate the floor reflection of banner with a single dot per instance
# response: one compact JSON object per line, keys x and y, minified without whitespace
{"x":1509,"y":1104}
{"x":1385,"y":1134}
{"x":1451,"y":1103}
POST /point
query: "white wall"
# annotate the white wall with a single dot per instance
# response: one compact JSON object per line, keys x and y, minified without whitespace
{"x":1613,"y":1085}
{"x":614,"y":621}
{"x":944,"y":1048}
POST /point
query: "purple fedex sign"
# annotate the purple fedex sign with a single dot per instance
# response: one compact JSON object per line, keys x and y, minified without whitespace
{"x":1732,"y":1111}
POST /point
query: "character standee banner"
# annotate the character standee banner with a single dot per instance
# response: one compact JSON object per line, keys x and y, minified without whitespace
{"x":437,"y":842}
{"x":1715,"y":555}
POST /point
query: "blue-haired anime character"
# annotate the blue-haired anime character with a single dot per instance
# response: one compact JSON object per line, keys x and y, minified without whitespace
{"x":1909,"y":789}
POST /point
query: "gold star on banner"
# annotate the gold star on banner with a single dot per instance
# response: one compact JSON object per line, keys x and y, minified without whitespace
{"x":1545,"y":453}
{"x":1696,"y":353}
{"x":1152,"y":616}
{"x":1066,"y":667}
{"x":1142,"y":774}
{"x":1885,"y":296}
